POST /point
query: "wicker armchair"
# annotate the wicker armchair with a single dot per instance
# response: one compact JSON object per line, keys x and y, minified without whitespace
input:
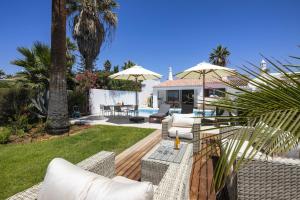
{"x":103,"y":163}
{"x":167,"y":124}
{"x":261,"y":178}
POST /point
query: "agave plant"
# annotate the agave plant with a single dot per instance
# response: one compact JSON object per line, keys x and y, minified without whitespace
{"x":39,"y":105}
{"x":270,"y":116}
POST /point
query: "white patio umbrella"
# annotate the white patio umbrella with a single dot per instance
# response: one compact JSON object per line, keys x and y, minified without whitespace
{"x":205,"y":71}
{"x":136,"y":73}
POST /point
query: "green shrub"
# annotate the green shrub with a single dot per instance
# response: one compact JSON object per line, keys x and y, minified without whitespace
{"x":7,"y":83}
{"x":13,"y":103}
{"x":76,"y":98}
{"x":4,"y":135}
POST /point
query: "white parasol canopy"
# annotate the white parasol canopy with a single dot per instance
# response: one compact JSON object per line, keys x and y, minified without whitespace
{"x":205,"y":71}
{"x":136,"y":73}
{"x":209,"y":70}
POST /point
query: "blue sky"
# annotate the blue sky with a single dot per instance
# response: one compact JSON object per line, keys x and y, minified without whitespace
{"x":161,"y":33}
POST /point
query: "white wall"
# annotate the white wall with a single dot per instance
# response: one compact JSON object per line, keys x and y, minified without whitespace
{"x":109,"y":97}
{"x":112,"y":97}
{"x":147,"y":91}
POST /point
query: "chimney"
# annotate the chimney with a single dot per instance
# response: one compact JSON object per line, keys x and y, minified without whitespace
{"x":263,"y":66}
{"x":170,"y":74}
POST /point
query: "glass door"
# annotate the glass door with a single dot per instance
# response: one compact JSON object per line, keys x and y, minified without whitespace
{"x":187,"y":97}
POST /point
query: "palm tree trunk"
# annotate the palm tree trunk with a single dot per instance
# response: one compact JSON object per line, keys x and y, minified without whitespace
{"x":57,"y":120}
{"x":203,"y":96}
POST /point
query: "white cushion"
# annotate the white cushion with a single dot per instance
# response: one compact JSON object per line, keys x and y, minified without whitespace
{"x":184,"y":115}
{"x":122,"y":179}
{"x":179,"y":121}
{"x":234,"y":148}
{"x":66,"y":181}
{"x":185,"y":133}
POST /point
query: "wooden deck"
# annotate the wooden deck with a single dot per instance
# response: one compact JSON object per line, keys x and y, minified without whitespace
{"x":128,"y":162}
{"x":201,"y":179}
{"x":128,"y":165}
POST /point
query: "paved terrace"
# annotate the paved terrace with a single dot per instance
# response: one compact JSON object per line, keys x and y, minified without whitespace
{"x":114,"y":121}
{"x":122,"y":121}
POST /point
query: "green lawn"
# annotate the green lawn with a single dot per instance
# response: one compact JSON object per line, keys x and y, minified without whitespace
{"x":23,"y":165}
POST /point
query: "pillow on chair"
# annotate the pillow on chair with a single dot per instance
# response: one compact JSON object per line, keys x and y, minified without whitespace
{"x":191,"y":115}
{"x":66,"y":181}
{"x":180,"y":121}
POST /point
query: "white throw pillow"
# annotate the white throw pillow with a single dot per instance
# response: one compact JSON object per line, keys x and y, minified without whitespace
{"x":66,"y":181}
{"x":180,"y":121}
{"x":191,"y":115}
{"x":183,"y":133}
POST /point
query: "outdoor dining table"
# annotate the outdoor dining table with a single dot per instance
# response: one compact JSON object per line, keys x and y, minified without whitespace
{"x":127,"y":109}
{"x":124,"y":108}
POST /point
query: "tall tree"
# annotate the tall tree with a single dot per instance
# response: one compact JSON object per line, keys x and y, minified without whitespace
{"x":107,"y":66}
{"x":2,"y":74}
{"x":128,"y":64}
{"x":57,"y":119}
{"x":219,"y":56}
{"x":116,"y":69}
{"x":93,"y":23}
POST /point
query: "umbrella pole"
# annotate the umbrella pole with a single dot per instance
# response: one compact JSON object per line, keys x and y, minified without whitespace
{"x":136,"y":96}
{"x":203,"y":97}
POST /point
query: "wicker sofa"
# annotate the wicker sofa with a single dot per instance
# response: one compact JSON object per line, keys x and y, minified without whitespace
{"x":261,"y":178}
{"x":103,"y":163}
{"x":167,"y":124}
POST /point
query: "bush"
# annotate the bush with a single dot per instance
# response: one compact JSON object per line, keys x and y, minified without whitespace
{"x":4,"y":135}
{"x":19,"y":124}
{"x":13,"y":103}
{"x":76,"y":98}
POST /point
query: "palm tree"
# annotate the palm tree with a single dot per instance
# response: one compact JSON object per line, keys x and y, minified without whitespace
{"x":270,"y":118}
{"x":94,"y":23}
{"x":219,"y":56}
{"x":36,"y":64}
{"x":57,"y":118}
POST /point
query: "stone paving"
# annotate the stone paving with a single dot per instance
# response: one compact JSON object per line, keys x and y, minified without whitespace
{"x":114,"y":121}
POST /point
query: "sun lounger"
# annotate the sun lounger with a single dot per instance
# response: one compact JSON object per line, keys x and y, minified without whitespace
{"x":162,"y":113}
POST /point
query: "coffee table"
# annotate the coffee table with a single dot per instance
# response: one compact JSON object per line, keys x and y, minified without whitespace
{"x":162,"y":157}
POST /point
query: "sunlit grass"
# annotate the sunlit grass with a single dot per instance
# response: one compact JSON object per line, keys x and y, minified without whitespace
{"x":23,"y":165}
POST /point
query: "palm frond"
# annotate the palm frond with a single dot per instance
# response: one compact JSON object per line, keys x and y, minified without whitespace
{"x":271,"y":113}
{"x":273,"y":133}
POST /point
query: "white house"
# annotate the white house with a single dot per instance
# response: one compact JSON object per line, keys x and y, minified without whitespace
{"x":188,"y":91}
{"x":263,"y":67}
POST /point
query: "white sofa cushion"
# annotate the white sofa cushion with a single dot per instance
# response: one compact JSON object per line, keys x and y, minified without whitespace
{"x":184,"y":133}
{"x":120,"y":189}
{"x":180,"y":121}
{"x":66,"y":181}
{"x":191,"y":115}
{"x":239,"y":150}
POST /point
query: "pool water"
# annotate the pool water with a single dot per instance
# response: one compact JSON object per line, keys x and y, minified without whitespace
{"x":146,"y":112}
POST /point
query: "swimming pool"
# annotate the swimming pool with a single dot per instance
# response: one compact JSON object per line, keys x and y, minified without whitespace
{"x":146,"y":112}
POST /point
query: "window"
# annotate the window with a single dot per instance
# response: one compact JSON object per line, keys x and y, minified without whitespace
{"x":213,"y":92}
{"x":173,"y":95}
